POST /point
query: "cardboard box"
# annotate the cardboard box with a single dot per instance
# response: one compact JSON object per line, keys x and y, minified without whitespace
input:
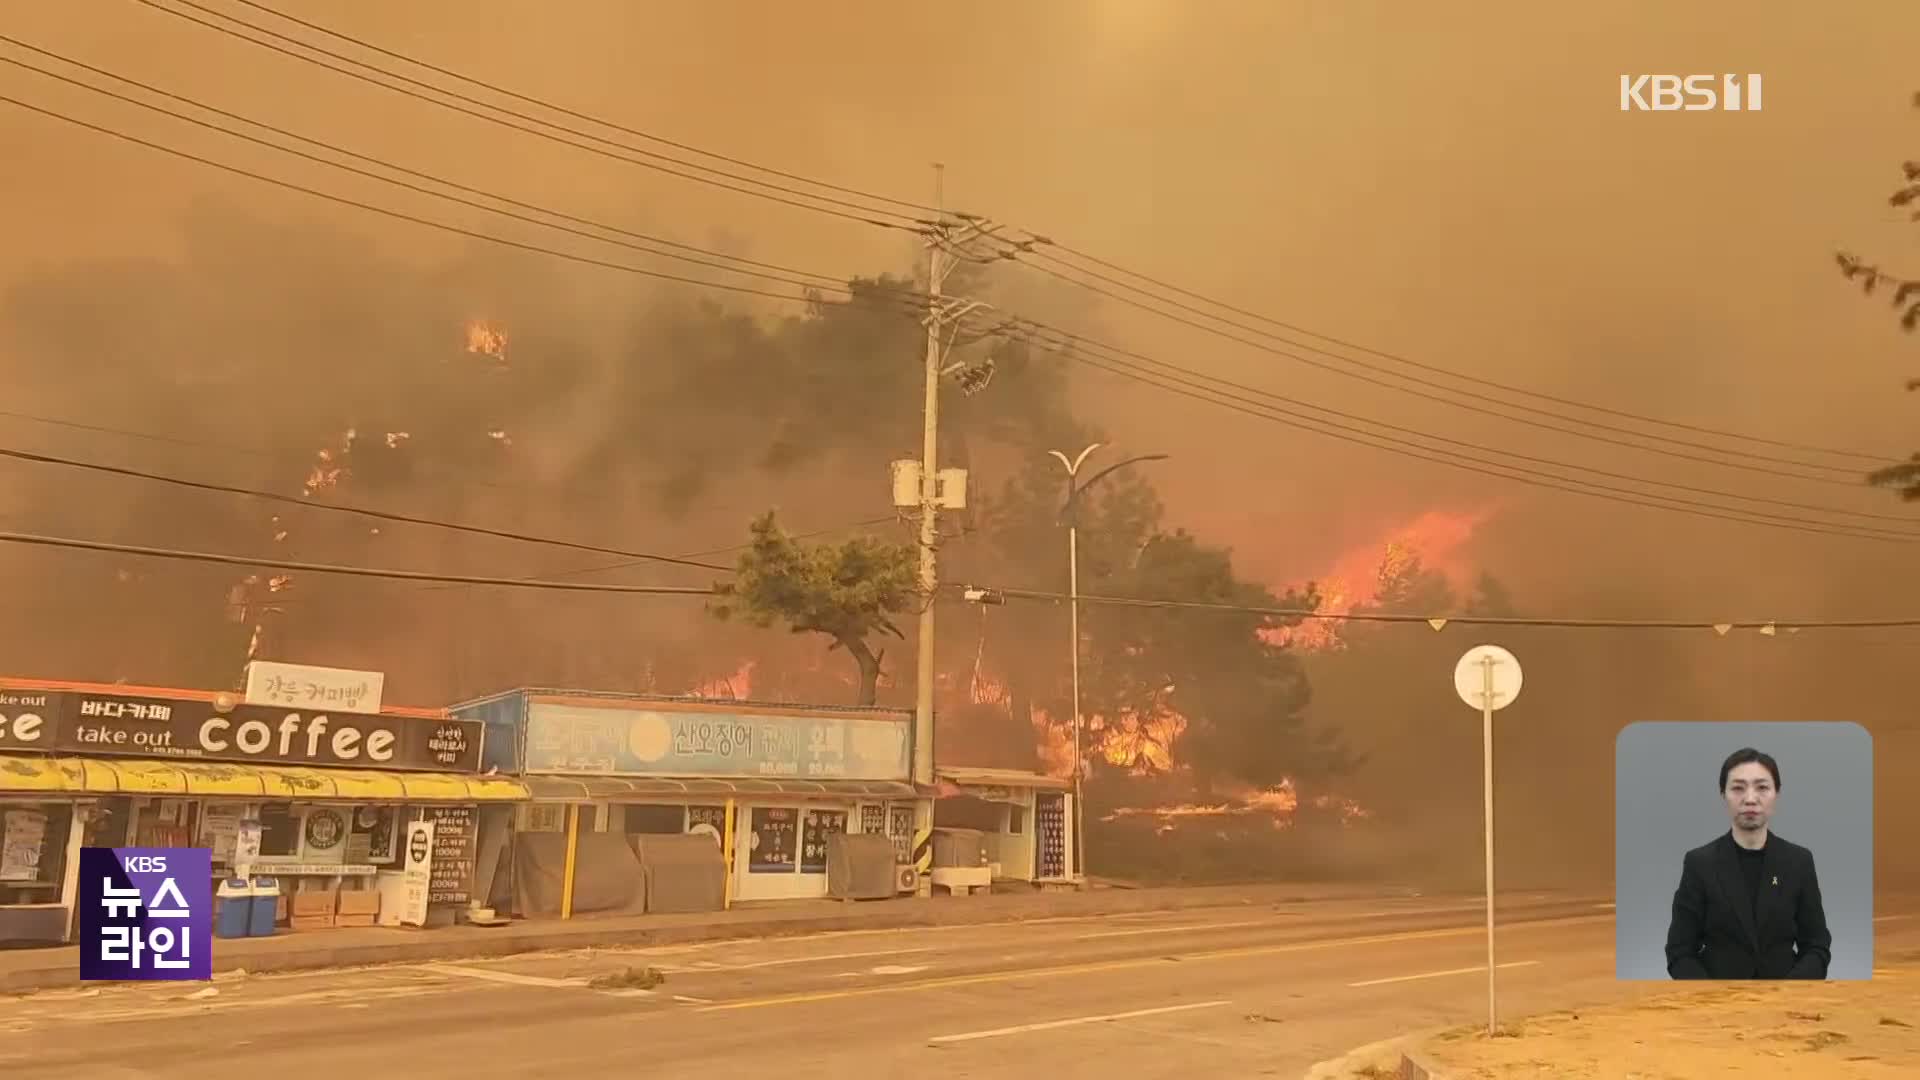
{"x":313,"y":903}
{"x":353,"y":920}
{"x":313,"y":922}
{"x":355,"y":903}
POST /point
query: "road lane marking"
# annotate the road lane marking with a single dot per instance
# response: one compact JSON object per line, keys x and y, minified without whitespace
{"x":176,"y":1009}
{"x":1177,"y":929}
{"x":1439,"y":974}
{"x":1285,"y":919}
{"x":507,"y":977}
{"x":1050,"y":1025}
{"x":710,"y":966}
{"x":1890,"y":918}
{"x":1136,"y":962}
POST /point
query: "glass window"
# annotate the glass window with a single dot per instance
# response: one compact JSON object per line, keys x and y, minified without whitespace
{"x":1016,"y":820}
{"x":33,"y":850}
{"x":654,"y":820}
{"x":374,"y":835}
{"x":279,"y":831}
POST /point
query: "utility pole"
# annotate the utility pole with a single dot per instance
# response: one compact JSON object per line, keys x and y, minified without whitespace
{"x":929,"y":507}
{"x":942,"y":312}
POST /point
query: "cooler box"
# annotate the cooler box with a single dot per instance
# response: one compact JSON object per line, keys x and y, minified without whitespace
{"x":232,"y":907}
{"x":265,"y":907}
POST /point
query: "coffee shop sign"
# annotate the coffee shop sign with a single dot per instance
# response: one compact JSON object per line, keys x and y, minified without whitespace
{"x":107,"y":724}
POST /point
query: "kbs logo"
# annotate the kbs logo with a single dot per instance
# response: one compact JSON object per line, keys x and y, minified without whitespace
{"x":1691,"y":93}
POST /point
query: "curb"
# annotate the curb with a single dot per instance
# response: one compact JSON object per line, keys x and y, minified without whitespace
{"x":465,"y":943}
{"x":1404,"y":1050}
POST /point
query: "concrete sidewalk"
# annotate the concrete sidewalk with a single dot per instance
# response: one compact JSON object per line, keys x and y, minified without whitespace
{"x":27,"y":970}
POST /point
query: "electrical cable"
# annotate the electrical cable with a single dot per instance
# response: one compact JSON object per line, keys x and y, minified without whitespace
{"x":215,"y":558}
{"x":1447,"y":372}
{"x":1464,"y":620}
{"x":403,"y":216}
{"x":357,"y":511}
{"x":1035,"y":239}
{"x":1518,"y":474}
{"x":1470,"y":407}
{"x":1213,"y":383}
{"x":905,"y":223}
{"x":650,"y":137}
{"x":833,"y":284}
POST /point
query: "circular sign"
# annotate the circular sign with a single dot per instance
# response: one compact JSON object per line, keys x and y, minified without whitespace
{"x":417,"y":845}
{"x":1470,"y":676}
{"x":324,"y":829}
{"x":704,"y":829}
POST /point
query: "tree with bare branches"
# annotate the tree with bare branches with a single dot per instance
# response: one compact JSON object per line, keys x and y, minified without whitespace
{"x":1905,"y":292}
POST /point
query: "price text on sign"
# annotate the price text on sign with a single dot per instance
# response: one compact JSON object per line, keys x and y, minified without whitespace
{"x":146,"y":914}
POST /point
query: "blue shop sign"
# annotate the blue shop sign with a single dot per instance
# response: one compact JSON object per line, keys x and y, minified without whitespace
{"x":598,"y":738}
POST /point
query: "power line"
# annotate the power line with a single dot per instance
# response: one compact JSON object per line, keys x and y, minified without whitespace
{"x":403,"y":216}
{"x":1035,"y":239}
{"x":1434,"y":368}
{"x":588,"y":260}
{"x":832,"y":283}
{"x":1519,"y":474}
{"x":216,"y":558}
{"x":1211,"y":383}
{"x":650,"y":137}
{"x":571,"y":256}
{"x":1470,"y":407}
{"x":607,"y":567}
{"x":1721,"y":626}
{"x":357,"y":511}
{"x":904,"y":222}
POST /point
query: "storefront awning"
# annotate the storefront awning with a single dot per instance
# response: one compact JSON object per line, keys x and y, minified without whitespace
{"x":1002,"y":778}
{"x":119,"y":776}
{"x":597,"y":788}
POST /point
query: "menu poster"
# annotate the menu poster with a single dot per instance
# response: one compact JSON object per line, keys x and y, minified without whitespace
{"x":820,"y":825}
{"x":772,"y":840}
{"x":24,"y":835}
{"x":220,"y":830}
{"x":454,"y":832}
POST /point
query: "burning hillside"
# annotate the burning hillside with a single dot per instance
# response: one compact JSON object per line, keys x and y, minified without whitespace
{"x":1434,"y":541}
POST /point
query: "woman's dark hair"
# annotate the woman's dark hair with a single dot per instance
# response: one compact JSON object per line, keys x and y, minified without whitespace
{"x":1747,"y":755}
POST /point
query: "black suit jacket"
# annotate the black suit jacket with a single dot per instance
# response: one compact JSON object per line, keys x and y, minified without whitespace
{"x":1715,"y":933}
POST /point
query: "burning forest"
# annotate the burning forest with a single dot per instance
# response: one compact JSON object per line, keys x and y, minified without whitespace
{"x":235,"y":341}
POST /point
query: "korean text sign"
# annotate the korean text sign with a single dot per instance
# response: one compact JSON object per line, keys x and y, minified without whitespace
{"x":146,"y":914}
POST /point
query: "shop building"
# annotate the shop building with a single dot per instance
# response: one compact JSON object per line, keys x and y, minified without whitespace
{"x":766,"y":783}
{"x":316,"y":799}
{"x":1025,"y":821}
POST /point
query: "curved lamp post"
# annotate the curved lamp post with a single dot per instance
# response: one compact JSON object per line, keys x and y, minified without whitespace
{"x":1070,"y":516}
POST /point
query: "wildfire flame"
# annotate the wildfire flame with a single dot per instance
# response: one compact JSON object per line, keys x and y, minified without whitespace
{"x":738,"y":685}
{"x":488,"y":340}
{"x":1435,"y":538}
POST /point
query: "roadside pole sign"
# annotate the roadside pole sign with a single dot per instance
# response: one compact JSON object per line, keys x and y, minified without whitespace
{"x":1488,"y":678}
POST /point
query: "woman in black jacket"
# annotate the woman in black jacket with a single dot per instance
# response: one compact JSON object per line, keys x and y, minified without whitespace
{"x":1748,"y":905}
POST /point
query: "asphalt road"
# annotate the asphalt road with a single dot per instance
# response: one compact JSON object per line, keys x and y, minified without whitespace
{"x":1250,"y":991}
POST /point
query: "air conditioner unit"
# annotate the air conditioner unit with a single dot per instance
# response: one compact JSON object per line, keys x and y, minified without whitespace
{"x":906,"y":878}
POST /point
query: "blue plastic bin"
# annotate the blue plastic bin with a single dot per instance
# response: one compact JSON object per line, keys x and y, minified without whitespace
{"x":233,"y":908}
{"x":266,"y":903}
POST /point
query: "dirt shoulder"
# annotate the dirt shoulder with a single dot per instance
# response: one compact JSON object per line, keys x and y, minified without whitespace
{"x":1788,"y":1031}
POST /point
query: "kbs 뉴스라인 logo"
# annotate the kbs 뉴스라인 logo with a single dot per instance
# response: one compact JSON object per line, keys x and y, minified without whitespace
{"x":146,"y":914}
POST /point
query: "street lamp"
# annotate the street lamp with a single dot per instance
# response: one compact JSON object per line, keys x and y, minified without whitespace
{"x":1070,"y":514}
